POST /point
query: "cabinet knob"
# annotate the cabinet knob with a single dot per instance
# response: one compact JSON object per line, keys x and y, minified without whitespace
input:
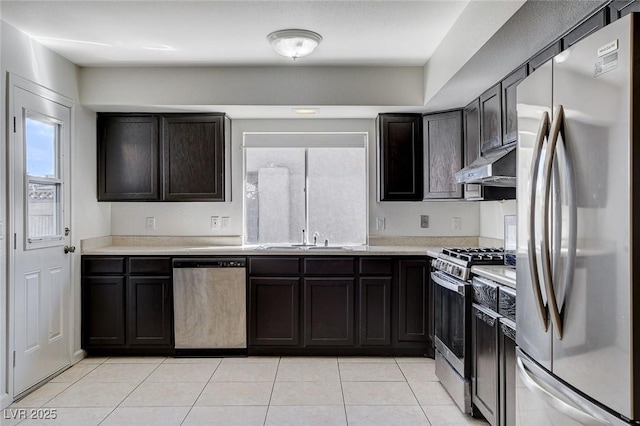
{"x":69,"y":249}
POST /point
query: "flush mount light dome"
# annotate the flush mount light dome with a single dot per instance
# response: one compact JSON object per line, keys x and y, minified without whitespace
{"x":294,"y":43}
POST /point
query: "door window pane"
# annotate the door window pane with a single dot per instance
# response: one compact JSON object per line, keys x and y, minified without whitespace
{"x":337,"y":195}
{"x":274,"y":195}
{"x":43,"y":205}
{"x":41,"y":150}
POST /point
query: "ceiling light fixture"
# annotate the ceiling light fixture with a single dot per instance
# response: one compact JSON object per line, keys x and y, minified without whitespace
{"x":294,"y":43}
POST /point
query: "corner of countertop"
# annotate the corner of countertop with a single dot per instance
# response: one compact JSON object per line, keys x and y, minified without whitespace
{"x":95,"y":243}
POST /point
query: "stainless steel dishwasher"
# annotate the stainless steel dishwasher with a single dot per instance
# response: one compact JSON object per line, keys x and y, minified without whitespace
{"x":209,"y":305}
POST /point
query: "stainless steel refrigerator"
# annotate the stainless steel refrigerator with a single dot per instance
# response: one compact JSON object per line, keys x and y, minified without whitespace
{"x":578,"y":311}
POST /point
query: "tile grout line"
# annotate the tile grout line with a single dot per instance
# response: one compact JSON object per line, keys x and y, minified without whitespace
{"x":266,"y":414}
{"x":132,"y":390}
{"x":200,"y":394}
{"x":344,"y":402}
{"x":412,"y":392}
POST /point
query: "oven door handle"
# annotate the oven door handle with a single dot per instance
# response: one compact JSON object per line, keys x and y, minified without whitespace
{"x":458,"y":288}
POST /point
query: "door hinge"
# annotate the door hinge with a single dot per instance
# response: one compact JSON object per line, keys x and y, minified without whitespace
{"x":14,"y":359}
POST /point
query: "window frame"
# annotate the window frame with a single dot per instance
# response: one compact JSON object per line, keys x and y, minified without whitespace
{"x":349,"y":141}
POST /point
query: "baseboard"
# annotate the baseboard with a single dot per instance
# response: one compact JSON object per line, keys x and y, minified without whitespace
{"x":78,"y":356}
{"x":5,"y":400}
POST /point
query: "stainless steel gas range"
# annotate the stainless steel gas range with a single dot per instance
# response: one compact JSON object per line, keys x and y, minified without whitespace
{"x":453,"y":296}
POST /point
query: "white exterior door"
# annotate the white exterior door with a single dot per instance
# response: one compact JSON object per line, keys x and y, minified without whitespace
{"x":39,"y":158}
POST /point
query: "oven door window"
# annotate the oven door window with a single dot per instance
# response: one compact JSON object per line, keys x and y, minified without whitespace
{"x":450,"y":320}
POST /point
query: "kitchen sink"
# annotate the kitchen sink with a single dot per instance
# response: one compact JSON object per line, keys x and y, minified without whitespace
{"x":328,"y":248}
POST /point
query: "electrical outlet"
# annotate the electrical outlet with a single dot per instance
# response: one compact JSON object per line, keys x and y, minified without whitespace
{"x":456,"y":223}
{"x":215,"y":222}
{"x":424,"y":221}
{"x":380,"y":223}
{"x":226,"y":222}
{"x":151,"y":223}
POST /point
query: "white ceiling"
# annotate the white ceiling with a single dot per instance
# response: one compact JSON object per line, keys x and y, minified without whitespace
{"x":214,"y":33}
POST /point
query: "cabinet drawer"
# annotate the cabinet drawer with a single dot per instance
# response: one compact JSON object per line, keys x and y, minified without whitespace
{"x":274,"y":266}
{"x":375,"y":266}
{"x":332,"y":266}
{"x":102,"y":265}
{"x":150,"y":265}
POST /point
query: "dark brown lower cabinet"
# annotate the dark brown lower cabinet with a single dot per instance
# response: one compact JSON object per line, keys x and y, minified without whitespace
{"x":328,"y":311}
{"x":413,"y":303}
{"x":127,"y":305}
{"x":274,"y":311}
{"x":484,"y":376}
{"x":103,"y":311}
{"x":150,"y":311}
{"x":507,"y":358}
{"x":375,"y":311}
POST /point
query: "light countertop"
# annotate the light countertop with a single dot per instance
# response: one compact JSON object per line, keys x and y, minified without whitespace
{"x":213,"y":250}
{"x":501,"y":274}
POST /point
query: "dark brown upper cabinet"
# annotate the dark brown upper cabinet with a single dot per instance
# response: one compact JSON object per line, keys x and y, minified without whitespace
{"x":545,"y":55}
{"x":400,"y":157}
{"x":589,"y":26}
{"x":491,"y":119}
{"x":128,"y":158}
{"x":471,"y":131}
{"x":443,"y":154}
{"x":193,"y":147}
{"x":620,"y":8}
{"x":509,"y":110}
{"x":161,"y":157}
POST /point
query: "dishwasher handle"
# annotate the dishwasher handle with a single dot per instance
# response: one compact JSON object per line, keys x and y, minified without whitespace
{"x":227,"y":262}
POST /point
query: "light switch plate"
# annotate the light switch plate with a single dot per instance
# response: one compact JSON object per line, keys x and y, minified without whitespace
{"x":151,"y":223}
{"x":424,"y":221}
{"x":456,"y":223}
{"x":379,"y":223}
{"x":226,"y":222}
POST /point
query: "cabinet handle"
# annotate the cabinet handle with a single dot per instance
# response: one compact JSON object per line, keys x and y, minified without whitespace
{"x":69,"y":249}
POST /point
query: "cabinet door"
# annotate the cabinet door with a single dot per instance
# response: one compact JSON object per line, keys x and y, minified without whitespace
{"x":591,"y":25}
{"x":274,"y":311}
{"x":413,"y":295}
{"x":471,"y":131}
{"x":543,"y":56}
{"x":620,"y":8}
{"x":375,"y":311}
{"x":509,"y":110}
{"x":128,"y":152}
{"x":443,"y":155}
{"x":328,"y":312}
{"x":193,"y":147}
{"x":149,"y":311}
{"x":491,"y":118}
{"x":400,"y":157}
{"x":103,"y":311}
{"x":484,"y":369}
{"x":507,"y":351}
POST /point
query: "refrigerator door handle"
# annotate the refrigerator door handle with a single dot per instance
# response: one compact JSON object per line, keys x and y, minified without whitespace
{"x":552,"y":301}
{"x":533,"y":261}
{"x":555,"y":397}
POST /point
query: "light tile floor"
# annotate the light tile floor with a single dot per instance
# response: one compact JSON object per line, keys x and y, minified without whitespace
{"x":244,"y":391}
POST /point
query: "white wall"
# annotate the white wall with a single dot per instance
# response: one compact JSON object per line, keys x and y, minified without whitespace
{"x":402,"y":218}
{"x":28,"y":59}
{"x":492,"y":215}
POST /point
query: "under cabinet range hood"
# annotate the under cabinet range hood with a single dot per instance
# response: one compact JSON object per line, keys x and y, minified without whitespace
{"x":494,"y":168}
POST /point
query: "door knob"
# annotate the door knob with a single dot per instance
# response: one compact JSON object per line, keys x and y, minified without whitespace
{"x":69,"y":249}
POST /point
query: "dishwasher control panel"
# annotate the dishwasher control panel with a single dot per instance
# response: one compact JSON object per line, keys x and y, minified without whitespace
{"x":212,"y":262}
